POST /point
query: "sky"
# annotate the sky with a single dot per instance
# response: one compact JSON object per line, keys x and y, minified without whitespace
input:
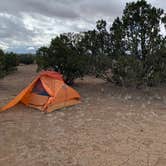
{"x":26,"y":25}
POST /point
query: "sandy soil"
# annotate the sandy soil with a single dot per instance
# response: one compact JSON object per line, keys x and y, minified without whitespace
{"x":112,"y":126}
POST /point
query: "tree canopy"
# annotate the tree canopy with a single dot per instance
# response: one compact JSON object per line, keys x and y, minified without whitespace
{"x":129,"y":51}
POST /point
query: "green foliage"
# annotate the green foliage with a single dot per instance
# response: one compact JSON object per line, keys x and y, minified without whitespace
{"x":11,"y":61}
{"x":2,"y":63}
{"x":138,"y":49}
{"x":103,"y":68}
{"x":141,"y":26}
{"x":8,"y":63}
{"x":26,"y":59}
{"x":155,"y":68}
{"x":94,"y":45}
{"x":117,"y":46}
{"x":90,"y":48}
{"x":62,"y":57}
{"x":127,"y":71}
{"x":131,"y":53}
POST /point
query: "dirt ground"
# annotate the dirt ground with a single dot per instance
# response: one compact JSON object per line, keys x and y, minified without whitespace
{"x":112,"y":126}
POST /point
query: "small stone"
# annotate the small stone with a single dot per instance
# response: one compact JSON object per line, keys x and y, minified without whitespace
{"x":148,"y":102}
{"x":138,"y":97}
{"x":141,"y":130}
{"x":157,"y":97}
{"x":102,"y":90}
{"x":128,"y":97}
{"x":143,"y":106}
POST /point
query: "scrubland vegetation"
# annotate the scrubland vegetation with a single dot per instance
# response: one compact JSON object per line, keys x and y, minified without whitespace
{"x":129,"y":52}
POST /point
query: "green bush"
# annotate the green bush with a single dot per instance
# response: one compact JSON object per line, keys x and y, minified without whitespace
{"x":8,"y":63}
{"x":127,"y":71}
{"x":62,"y":57}
{"x":132,"y":71}
{"x":2,"y":63}
{"x":155,"y":67}
{"x":103,"y":68}
{"x":11,"y":61}
{"x":26,"y":59}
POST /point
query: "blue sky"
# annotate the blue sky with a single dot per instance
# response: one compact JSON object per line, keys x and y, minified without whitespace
{"x":26,"y":25}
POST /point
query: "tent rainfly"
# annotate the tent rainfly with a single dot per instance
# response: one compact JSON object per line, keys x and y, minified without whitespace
{"x":47,"y":93}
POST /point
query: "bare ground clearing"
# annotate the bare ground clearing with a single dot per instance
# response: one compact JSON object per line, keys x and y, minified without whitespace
{"x":112,"y":126}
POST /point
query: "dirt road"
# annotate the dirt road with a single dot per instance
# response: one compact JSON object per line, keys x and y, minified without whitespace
{"x":112,"y":126}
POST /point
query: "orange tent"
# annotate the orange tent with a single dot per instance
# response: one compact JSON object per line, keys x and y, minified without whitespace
{"x":47,"y":92}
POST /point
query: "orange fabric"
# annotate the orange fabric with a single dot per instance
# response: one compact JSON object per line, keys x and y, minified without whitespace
{"x":52,"y":74}
{"x":66,"y":93}
{"x":63,"y":94}
{"x":53,"y":84}
{"x":56,"y":106}
{"x":35,"y":99}
{"x":18,"y":98}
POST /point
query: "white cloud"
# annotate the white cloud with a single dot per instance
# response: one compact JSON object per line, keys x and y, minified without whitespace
{"x":32,"y":23}
{"x":3,"y":45}
{"x":31,"y":48}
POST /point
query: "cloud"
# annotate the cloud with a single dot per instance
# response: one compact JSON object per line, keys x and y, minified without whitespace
{"x":13,"y":32}
{"x":30,"y":48}
{"x":32,"y":23}
{"x":13,"y":27}
{"x":48,"y":8}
